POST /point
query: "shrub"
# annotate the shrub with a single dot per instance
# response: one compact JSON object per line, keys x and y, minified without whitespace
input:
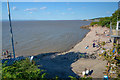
{"x":93,"y":23}
{"x":82,"y":78}
{"x":23,"y":69}
{"x":103,"y":43}
{"x":105,"y":21}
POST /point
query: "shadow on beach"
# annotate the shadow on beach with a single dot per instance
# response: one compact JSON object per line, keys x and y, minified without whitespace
{"x":58,"y":65}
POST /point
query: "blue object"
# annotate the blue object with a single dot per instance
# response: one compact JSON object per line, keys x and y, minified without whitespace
{"x":105,"y":77}
{"x":113,"y":50}
{"x":86,"y":47}
{"x":11,"y":29}
{"x":12,"y":60}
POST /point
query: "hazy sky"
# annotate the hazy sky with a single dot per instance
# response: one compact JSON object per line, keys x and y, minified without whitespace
{"x":60,"y":0}
{"x":58,"y":10}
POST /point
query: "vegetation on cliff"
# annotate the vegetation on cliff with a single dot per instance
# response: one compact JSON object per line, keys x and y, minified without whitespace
{"x":105,"y":21}
{"x":113,"y":57}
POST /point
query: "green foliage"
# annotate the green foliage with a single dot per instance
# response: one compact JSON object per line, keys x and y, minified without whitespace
{"x":56,"y":78}
{"x":22,"y":70}
{"x":72,"y":78}
{"x":115,"y":15}
{"x":93,"y":23}
{"x":106,"y":20}
{"x":82,"y":78}
{"x":103,"y":43}
{"x":112,"y":58}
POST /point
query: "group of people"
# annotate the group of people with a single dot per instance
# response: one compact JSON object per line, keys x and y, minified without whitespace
{"x":98,"y":44}
{"x":87,"y":72}
{"x":6,"y":54}
{"x":94,"y":45}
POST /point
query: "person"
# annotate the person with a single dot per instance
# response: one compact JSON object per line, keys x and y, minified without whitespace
{"x":87,"y":72}
{"x":86,"y":47}
{"x":7,"y":53}
{"x":108,"y":64}
{"x":97,"y":46}
{"x":96,"y":32}
{"x":105,"y":77}
{"x":10,"y":55}
{"x":4,"y":54}
{"x":31,"y":58}
{"x":83,"y":73}
{"x":93,"y":44}
{"x":110,"y":40}
{"x":102,"y":51}
{"x":113,"y":50}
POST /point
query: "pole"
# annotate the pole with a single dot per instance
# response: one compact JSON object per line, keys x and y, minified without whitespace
{"x":11,"y":29}
{"x":118,"y":11}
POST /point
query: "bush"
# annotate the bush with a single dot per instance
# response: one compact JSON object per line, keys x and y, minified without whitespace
{"x":22,"y":70}
{"x":93,"y":23}
{"x":103,"y":43}
{"x":82,"y":78}
{"x":105,"y":21}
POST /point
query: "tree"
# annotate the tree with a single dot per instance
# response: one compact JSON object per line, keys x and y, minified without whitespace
{"x":23,"y":69}
{"x":105,"y":21}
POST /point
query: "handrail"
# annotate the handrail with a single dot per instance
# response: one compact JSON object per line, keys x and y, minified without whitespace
{"x":11,"y":29}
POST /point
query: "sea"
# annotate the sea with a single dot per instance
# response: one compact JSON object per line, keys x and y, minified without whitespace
{"x":38,"y":37}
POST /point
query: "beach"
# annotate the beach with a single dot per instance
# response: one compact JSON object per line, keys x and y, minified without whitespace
{"x":74,"y":61}
{"x":70,"y":63}
{"x":60,"y":40}
{"x":90,"y":37}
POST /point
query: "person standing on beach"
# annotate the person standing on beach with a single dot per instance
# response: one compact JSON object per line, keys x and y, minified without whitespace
{"x":86,"y":47}
{"x":93,"y":44}
{"x":110,"y":40}
{"x":4,"y":54}
{"x":7,"y":53}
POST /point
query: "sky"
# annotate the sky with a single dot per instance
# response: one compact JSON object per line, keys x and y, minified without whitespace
{"x":60,"y":0}
{"x":58,"y":10}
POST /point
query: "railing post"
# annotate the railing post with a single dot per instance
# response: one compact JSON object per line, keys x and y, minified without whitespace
{"x":110,"y":29}
{"x":11,"y":29}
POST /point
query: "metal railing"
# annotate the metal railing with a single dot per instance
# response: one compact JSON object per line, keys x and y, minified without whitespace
{"x":113,"y":31}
